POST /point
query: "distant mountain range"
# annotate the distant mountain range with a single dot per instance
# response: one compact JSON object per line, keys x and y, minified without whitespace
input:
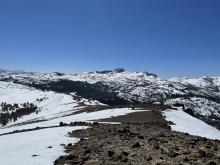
{"x":199,"y":97}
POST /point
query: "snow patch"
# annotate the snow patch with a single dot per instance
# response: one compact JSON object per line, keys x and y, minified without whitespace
{"x":20,"y":148}
{"x":188,"y":124}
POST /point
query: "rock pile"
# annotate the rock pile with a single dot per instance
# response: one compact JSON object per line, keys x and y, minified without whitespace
{"x":139,"y":145}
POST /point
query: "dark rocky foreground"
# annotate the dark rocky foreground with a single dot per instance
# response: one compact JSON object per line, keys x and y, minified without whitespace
{"x":139,"y":144}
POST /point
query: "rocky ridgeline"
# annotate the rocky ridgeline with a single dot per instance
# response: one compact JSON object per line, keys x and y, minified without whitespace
{"x":139,"y":144}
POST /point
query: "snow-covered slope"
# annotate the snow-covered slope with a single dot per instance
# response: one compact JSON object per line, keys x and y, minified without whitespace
{"x":207,"y":82}
{"x":50,"y":104}
{"x":183,"y":122}
{"x":41,"y":147}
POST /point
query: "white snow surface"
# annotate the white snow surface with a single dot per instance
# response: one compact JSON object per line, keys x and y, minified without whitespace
{"x":54,"y":104}
{"x":20,"y":148}
{"x":188,"y":124}
{"x":200,"y":106}
{"x":200,"y":82}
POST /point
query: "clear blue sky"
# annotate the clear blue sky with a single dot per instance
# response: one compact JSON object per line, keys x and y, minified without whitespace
{"x":167,"y":37}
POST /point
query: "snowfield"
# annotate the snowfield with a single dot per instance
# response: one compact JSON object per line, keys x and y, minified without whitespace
{"x":53,"y":105}
{"x":208,"y":82}
{"x":20,"y":148}
{"x":200,"y":106}
{"x":188,"y":124}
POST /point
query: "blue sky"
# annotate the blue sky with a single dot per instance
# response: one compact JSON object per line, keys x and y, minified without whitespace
{"x":167,"y":37}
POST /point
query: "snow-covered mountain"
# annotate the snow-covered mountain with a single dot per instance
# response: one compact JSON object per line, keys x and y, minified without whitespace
{"x":207,"y":82}
{"x":200,"y":96}
{"x":39,"y":102}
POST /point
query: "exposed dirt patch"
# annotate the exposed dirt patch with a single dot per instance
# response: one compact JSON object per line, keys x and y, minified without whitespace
{"x":91,"y":108}
{"x":151,"y":117}
{"x":94,"y":108}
